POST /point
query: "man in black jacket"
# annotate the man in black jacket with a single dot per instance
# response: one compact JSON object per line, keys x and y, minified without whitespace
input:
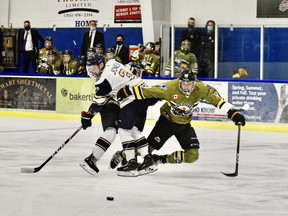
{"x":120,"y":50}
{"x":91,"y":38}
{"x":30,"y":49}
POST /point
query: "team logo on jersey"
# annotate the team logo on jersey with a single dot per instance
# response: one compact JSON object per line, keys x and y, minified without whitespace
{"x":163,"y":87}
{"x":175,"y":96}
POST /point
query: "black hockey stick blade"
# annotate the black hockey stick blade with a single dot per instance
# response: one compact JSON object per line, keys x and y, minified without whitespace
{"x":237,"y":155}
{"x":230,"y":174}
{"x":37,"y":169}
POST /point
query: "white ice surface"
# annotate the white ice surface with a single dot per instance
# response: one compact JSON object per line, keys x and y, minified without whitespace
{"x":62,"y":188}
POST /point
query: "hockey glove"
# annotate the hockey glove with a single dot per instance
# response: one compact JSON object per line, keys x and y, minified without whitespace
{"x":86,"y":118}
{"x":123,"y":93}
{"x":95,"y":108}
{"x":236,"y":117}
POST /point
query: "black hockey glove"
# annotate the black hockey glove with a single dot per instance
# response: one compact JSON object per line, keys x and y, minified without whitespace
{"x":95,"y":108}
{"x":123,"y":93}
{"x":236,"y":117}
{"x":86,"y":118}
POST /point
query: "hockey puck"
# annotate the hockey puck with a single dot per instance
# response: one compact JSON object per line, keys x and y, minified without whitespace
{"x":110,"y":198}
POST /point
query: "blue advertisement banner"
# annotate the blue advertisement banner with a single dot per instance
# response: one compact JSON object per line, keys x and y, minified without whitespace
{"x":262,"y":98}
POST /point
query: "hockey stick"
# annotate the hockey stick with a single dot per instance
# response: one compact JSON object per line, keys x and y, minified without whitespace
{"x":37,"y":169}
{"x":237,"y":155}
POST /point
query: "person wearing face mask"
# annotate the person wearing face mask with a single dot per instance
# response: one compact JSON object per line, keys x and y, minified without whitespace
{"x":29,"y":46}
{"x":120,"y":50}
{"x":192,"y":35}
{"x":90,"y":39}
{"x":207,"y":51}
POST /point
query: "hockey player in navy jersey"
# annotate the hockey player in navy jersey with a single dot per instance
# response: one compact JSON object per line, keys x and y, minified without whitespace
{"x":111,"y":76}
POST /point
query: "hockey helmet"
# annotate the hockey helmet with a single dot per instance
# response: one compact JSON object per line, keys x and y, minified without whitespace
{"x":185,"y":46}
{"x":95,"y":59}
{"x":49,"y":38}
{"x":187,"y":81}
{"x":67,"y":52}
{"x":110,"y":50}
{"x":149,"y":47}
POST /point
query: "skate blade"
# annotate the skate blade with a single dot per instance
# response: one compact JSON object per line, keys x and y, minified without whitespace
{"x":148,"y":170}
{"x":87,"y":168}
{"x":132,"y":173}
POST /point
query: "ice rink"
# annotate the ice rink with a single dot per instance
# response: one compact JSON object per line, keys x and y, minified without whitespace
{"x":62,"y":188}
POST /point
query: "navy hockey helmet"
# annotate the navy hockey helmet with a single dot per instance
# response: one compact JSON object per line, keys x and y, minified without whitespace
{"x":95,"y":59}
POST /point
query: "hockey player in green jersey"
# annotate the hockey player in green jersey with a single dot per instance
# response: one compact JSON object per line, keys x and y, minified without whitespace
{"x":148,"y":59}
{"x":43,"y":66}
{"x":181,"y":96}
{"x":56,"y":62}
{"x":71,"y":64}
{"x":183,"y":58}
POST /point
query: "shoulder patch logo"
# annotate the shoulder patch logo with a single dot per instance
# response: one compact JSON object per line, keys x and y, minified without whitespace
{"x":163,"y":87}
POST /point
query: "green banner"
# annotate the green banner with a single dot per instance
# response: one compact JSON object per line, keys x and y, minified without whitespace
{"x":74,"y":94}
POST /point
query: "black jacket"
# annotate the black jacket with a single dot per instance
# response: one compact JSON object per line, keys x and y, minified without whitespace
{"x":35,"y":38}
{"x":123,"y":54}
{"x":99,"y":38}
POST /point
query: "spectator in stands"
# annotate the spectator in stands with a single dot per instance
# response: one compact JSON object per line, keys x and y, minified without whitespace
{"x":192,"y":35}
{"x":207,"y":51}
{"x":91,"y":38}
{"x":29,"y":41}
{"x":120,"y":50}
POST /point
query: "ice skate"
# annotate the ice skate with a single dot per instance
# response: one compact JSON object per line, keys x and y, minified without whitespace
{"x":128,"y":170}
{"x":148,"y":166}
{"x":89,"y":165}
{"x":116,"y":159}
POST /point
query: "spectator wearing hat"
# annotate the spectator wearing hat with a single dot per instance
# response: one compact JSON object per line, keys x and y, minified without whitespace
{"x":29,"y":39}
{"x":120,"y":50}
{"x":71,"y":64}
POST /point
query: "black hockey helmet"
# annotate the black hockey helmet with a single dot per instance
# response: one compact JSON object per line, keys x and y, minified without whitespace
{"x":150,"y":46}
{"x":52,"y":52}
{"x":187,"y":75}
{"x":67,"y":52}
{"x":91,"y":49}
{"x":49,"y":38}
{"x":110,"y":50}
{"x":187,"y":81}
{"x":99,"y":45}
